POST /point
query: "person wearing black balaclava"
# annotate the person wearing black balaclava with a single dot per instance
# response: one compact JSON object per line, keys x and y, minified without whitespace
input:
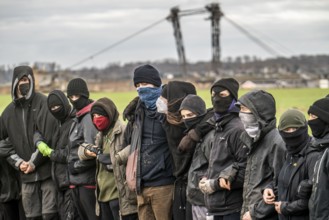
{"x":223,"y":182}
{"x":82,"y":172}
{"x":61,"y":109}
{"x":266,"y":152}
{"x":296,"y":171}
{"x":193,"y":111}
{"x":154,"y":174}
{"x":21,"y":118}
{"x":319,"y":124}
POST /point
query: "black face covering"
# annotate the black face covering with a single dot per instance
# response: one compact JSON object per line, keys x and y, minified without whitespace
{"x":59,"y":113}
{"x":295,"y":141}
{"x":191,"y":122}
{"x":319,"y":128}
{"x":221,"y":104}
{"x":24,"y":88}
{"x":80,"y":103}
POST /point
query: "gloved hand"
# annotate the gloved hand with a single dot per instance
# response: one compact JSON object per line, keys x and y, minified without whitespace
{"x":304,"y":190}
{"x":44,"y":149}
{"x":37,"y":137}
{"x":189,"y":141}
{"x":207,"y":186}
{"x":129,"y":112}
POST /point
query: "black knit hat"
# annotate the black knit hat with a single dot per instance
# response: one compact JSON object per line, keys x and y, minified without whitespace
{"x":147,"y":74}
{"x":320,"y":108}
{"x":98,"y":110}
{"x":194,"y":104}
{"x":228,"y":83}
{"x":77,"y":86}
{"x":292,"y":118}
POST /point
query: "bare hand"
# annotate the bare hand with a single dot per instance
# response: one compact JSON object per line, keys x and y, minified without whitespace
{"x":278,"y":207}
{"x":246,"y":216}
{"x":89,"y":153}
{"x":224,"y":183}
{"x":23,"y":166}
{"x":29,"y":169}
{"x":268,"y":196}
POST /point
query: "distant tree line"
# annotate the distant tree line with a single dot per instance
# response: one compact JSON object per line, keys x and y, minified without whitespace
{"x":311,"y":66}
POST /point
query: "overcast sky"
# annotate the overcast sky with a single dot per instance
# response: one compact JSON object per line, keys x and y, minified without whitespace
{"x":67,"y":31}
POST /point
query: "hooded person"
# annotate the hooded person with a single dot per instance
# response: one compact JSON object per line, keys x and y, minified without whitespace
{"x":113,"y":201}
{"x":319,"y":124}
{"x":223,"y":182}
{"x":82,"y":172}
{"x":266,"y":152}
{"x":171,"y":97}
{"x":297,"y":169}
{"x":145,"y":134}
{"x":26,"y":114}
{"x":193,"y":111}
{"x":61,"y":109}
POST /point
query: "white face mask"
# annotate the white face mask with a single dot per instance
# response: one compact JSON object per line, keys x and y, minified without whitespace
{"x":250,"y":124}
{"x":161,"y":104}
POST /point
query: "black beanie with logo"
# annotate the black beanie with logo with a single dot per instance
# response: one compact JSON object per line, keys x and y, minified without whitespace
{"x":228,"y":83}
{"x":147,"y":74}
{"x":77,"y":86}
{"x":320,"y":108}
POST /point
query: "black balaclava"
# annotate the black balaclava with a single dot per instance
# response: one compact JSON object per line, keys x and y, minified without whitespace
{"x":196,"y":105}
{"x":78,"y":86}
{"x":295,"y":141}
{"x":58,"y":98}
{"x":222,"y":104}
{"x":320,"y":126}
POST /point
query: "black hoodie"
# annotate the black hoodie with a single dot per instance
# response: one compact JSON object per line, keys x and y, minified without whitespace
{"x":21,"y":119}
{"x":265,"y":157}
{"x":61,"y":151}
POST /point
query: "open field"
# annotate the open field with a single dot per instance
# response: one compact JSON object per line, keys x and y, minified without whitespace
{"x":285,"y":98}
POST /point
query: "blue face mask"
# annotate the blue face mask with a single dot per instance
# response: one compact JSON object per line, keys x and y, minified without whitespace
{"x":149,"y":96}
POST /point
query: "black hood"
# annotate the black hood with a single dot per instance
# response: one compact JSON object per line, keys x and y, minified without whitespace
{"x":19,"y":72}
{"x":262,"y":105}
{"x":64,"y":101}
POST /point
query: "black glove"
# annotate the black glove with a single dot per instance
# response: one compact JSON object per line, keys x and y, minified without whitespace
{"x":37,"y":137}
{"x":129,"y":112}
{"x":189,"y":141}
{"x":304,"y":190}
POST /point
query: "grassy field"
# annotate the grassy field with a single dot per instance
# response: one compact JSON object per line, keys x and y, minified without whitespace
{"x":285,"y":98}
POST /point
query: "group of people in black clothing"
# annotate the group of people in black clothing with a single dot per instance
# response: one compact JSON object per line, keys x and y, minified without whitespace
{"x":65,"y":156}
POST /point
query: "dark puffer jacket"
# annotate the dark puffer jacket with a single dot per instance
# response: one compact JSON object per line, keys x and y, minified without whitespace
{"x":20,"y":120}
{"x":265,"y":157}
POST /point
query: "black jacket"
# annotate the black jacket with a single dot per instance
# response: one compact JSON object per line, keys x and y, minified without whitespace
{"x":228,"y":153}
{"x":60,"y":155}
{"x":266,"y":155}
{"x":20,"y":120}
{"x":154,"y":164}
{"x":318,"y":204}
{"x":9,"y":179}
{"x":82,"y":172}
{"x":296,"y":168}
